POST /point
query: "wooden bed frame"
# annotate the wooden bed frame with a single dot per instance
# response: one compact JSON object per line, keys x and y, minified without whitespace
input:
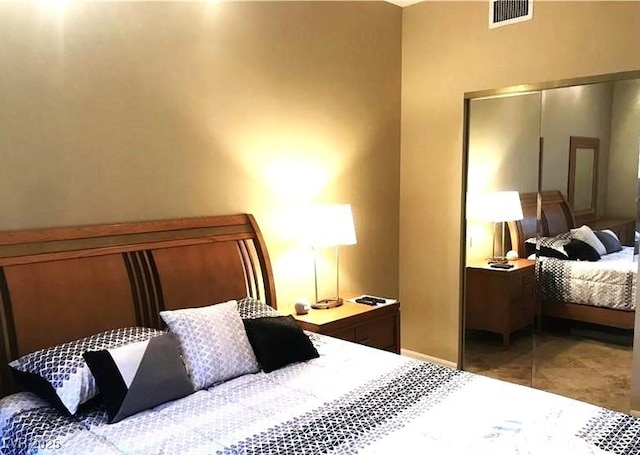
{"x":555,"y":218}
{"x":61,"y":284}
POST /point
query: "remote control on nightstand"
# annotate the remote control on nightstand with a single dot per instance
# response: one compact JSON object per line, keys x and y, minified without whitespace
{"x":501,"y":266}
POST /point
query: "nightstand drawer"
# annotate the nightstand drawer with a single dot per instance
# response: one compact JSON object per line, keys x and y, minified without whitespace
{"x":523,"y":285}
{"x":375,"y":326}
{"x":348,"y":334}
{"x":379,"y":333}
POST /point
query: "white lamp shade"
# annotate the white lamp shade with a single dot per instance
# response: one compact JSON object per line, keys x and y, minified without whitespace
{"x":498,"y":206}
{"x":327,"y":225}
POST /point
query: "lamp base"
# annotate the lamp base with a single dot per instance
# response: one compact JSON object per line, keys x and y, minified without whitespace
{"x":325,"y":304}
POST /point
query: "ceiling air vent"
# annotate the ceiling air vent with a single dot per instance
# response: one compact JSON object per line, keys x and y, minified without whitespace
{"x":505,"y":12}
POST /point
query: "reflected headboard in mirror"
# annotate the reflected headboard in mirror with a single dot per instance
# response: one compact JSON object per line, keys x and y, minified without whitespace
{"x":556,"y":218}
{"x":62,"y":284}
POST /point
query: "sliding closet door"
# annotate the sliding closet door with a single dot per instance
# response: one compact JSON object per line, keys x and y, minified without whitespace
{"x":503,"y":146}
{"x":583,"y":348}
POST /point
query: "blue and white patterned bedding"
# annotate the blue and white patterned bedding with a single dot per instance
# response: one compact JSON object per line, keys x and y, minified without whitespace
{"x":352,"y":399}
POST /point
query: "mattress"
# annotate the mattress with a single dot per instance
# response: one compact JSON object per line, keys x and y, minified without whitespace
{"x":609,"y":282}
{"x":352,"y":399}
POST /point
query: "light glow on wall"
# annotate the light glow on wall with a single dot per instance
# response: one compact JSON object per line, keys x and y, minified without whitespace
{"x":55,"y":5}
{"x":296,"y":180}
{"x":482,"y":173}
{"x":293,"y":168}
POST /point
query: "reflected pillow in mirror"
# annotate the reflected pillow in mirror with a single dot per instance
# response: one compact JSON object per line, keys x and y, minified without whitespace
{"x":581,"y":251}
{"x":610,"y":240}
{"x":585,"y":233}
{"x":551,"y":247}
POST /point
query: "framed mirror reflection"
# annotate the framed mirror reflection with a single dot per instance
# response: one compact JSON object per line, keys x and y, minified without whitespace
{"x":582,"y":182}
{"x":562,"y":317}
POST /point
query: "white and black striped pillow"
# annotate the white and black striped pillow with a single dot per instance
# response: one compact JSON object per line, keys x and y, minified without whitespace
{"x":139,"y":376}
{"x":610,"y":240}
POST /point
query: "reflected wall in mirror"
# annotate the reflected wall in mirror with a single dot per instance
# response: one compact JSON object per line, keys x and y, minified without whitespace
{"x":582,"y":190}
{"x":568,"y":349}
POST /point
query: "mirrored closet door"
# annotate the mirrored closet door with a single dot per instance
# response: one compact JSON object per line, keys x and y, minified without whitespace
{"x":503,"y":154}
{"x":564,"y":322}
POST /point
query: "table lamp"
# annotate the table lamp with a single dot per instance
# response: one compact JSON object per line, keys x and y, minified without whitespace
{"x":499,"y":207}
{"x":329,"y":226}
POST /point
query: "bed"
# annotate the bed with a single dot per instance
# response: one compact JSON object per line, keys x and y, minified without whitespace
{"x":600,"y":292}
{"x":58,"y":285}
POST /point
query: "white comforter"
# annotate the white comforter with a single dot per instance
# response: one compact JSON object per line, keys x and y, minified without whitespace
{"x":609,"y":282}
{"x":352,"y":399}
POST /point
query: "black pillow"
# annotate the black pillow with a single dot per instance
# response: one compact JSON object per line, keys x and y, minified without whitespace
{"x":581,"y":251}
{"x":139,"y":376}
{"x":278,"y":341}
{"x":609,"y":240}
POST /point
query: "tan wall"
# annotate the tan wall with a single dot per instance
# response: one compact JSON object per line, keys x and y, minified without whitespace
{"x":115,"y":111}
{"x":447,"y":51}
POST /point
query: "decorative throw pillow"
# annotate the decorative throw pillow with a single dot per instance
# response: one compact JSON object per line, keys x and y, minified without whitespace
{"x":213,"y":342}
{"x":250,"y":308}
{"x":278,"y":341}
{"x":60,"y":375}
{"x":585,"y":234}
{"x":610,"y":240}
{"x":581,"y":251}
{"x":552,"y":247}
{"x":139,"y":376}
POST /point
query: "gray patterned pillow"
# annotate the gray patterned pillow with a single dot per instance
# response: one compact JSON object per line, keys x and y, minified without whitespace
{"x":213,"y":341}
{"x":60,"y":375}
{"x":250,"y":308}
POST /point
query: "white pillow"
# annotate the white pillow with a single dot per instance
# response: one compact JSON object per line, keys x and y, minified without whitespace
{"x":585,"y":234}
{"x":213,"y":342}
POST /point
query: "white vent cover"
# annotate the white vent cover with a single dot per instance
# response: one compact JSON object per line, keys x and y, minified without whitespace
{"x":505,"y":12}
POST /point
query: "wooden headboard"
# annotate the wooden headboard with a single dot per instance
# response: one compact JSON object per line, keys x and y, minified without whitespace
{"x":555,"y":218}
{"x":57,"y":285}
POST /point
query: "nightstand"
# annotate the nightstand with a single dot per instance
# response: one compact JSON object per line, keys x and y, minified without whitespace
{"x":500,"y":301}
{"x":375,"y":326}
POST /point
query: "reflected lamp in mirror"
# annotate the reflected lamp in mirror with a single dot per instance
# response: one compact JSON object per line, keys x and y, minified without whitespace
{"x":328,"y":226}
{"x":499,"y":207}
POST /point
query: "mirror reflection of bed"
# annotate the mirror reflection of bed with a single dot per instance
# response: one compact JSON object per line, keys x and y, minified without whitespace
{"x":587,"y":303}
{"x":578,"y":342}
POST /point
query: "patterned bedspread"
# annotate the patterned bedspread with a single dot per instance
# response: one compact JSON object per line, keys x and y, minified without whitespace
{"x":609,"y":282}
{"x":352,"y":399}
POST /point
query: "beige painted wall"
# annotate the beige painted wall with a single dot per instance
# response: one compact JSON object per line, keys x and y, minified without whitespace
{"x":625,"y":146}
{"x":447,"y":51}
{"x":114,"y":111}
